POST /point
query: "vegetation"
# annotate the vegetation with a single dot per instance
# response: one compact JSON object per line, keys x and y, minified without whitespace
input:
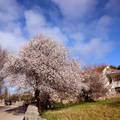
{"x":3,"y":60}
{"x":92,"y":76}
{"x":44,"y":66}
{"x":100,"y":110}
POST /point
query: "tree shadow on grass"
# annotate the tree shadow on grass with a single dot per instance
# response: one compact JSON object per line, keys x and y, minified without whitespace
{"x":18,"y":110}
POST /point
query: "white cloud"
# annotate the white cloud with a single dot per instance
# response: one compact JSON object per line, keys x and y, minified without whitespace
{"x":103,"y":26}
{"x":37,"y":24}
{"x":34,"y":22}
{"x":55,"y":33}
{"x":12,"y":37}
{"x":93,"y":50}
{"x":9,"y":10}
{"x":75,"y":8}
{"x":11,"y":41}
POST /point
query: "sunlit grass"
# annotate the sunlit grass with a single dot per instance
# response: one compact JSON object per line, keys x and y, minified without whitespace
{"x":100,"y":110}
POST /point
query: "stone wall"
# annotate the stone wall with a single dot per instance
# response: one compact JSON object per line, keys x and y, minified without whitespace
{"x":32,"y":113}
{"x":111,"y":77}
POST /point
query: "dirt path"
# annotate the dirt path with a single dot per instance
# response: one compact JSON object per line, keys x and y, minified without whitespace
{"x":11,"y":113}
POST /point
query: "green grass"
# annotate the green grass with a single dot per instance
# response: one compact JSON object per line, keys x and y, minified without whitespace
{"x":100,"y":110}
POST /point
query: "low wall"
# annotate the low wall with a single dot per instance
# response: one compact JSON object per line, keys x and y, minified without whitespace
{"x":32,"y":113}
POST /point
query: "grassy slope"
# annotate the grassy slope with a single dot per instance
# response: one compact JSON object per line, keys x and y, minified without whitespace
{"x":101,"y":110}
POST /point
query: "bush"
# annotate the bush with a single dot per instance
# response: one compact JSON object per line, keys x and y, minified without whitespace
{"x":14,"y":98}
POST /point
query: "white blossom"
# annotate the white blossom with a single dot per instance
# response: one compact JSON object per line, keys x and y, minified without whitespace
{"x":46,"y":66}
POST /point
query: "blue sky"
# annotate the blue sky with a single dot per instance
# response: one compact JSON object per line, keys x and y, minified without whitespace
{"x":90,"y":29}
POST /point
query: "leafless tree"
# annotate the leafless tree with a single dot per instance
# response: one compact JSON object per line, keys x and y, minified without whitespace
{"x":93,"y":79}
{"x":3,"y":59}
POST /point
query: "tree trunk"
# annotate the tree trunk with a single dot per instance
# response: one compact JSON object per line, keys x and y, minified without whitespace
{"x":37,"y":92}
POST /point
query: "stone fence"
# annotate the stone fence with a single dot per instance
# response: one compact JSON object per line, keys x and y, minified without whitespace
{"x":32,"y":113}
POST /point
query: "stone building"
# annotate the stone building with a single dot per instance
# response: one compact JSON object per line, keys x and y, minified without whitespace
{"x":111,"y":75}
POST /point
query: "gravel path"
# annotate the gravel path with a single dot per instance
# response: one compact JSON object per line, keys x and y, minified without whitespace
{"x":10,"y":113}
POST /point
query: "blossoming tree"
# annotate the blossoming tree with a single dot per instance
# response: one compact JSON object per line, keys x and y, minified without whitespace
{"x":46,"y":66}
